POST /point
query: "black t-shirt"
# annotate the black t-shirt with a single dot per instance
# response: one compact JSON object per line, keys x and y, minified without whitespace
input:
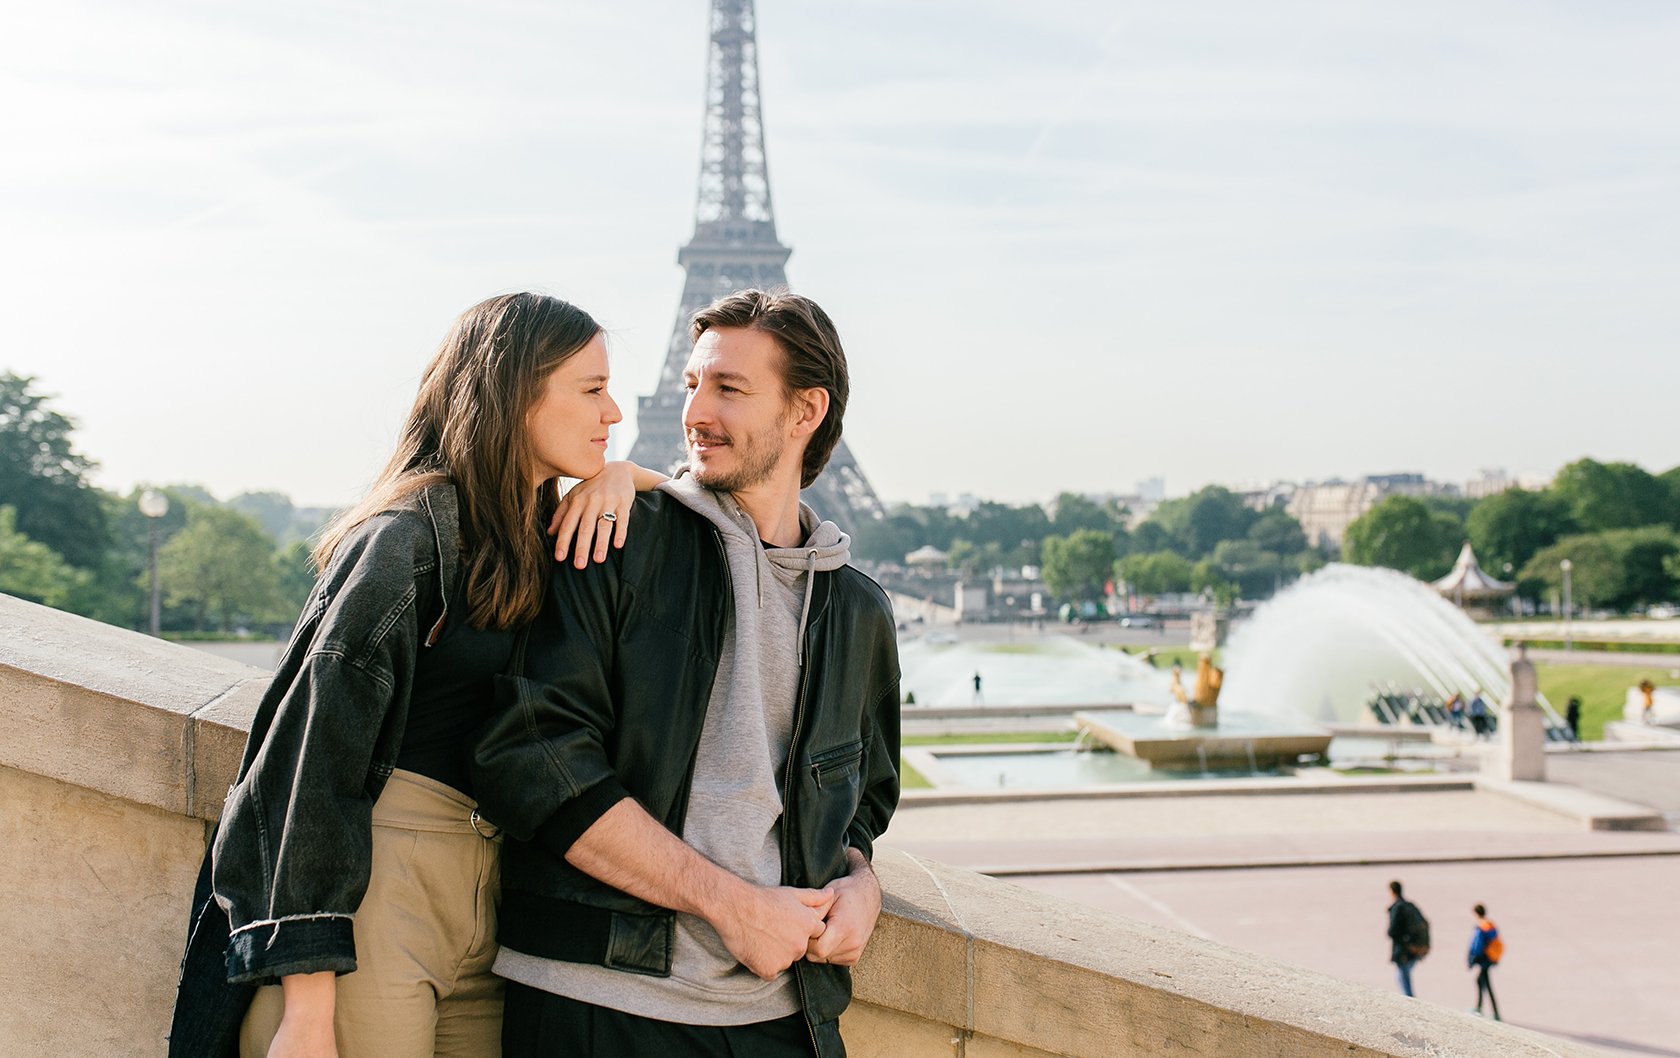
{"x":453,"y":694}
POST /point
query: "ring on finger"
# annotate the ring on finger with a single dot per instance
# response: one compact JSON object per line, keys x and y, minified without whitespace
{"x":608,"y":516}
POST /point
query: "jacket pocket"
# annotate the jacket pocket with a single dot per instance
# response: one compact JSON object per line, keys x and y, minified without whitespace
{"x":834,"y":765}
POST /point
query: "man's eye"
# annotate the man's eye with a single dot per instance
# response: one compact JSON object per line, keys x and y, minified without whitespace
{"x":728,"y":389}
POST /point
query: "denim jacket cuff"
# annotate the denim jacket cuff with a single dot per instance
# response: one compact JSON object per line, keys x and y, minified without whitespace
{"x":266,"y":950}
{"x":579,"y":813}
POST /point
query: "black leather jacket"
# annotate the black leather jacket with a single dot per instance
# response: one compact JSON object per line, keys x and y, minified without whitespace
{"x":615,"y":684}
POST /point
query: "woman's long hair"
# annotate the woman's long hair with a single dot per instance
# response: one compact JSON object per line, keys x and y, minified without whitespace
{"x":468,"y":426}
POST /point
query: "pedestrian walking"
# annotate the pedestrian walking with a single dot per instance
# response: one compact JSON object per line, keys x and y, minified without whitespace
{"x":1408,"y":935}
{"x":1486,"y":949}
{"x":1572,"y":717}
{"x":977,"y":696}
{"x":1479,"y":715}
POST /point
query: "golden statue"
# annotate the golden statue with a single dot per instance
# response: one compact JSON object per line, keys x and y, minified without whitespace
{"x":1199,"y":708}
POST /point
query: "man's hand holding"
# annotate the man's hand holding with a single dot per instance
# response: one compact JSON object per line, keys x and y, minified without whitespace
{"x":851,"y":919}
{"x":770,"y":929}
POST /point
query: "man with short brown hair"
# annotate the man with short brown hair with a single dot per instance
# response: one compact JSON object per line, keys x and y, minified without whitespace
{"x":703,"y":745}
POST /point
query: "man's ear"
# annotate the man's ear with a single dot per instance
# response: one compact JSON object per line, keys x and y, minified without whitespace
{"x":810,"y":408}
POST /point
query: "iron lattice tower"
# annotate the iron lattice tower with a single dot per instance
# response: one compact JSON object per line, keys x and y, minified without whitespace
{"x":735,"y":247}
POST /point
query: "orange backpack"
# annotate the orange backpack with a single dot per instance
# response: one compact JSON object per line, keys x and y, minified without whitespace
{"x":1495,"y":948}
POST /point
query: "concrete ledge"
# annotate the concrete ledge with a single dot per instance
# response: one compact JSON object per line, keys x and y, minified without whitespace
{"x":115,"y":711}
{"x":1011,"y":971}
{"x":1301,"y":783}
{"x":116,"y":748}
{"x":1640,"y":734}
{"x":1592,"y":811}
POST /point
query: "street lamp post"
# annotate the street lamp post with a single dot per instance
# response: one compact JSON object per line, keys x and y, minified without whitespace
{"x":1568,"y":605}
{"x":154,"y":505}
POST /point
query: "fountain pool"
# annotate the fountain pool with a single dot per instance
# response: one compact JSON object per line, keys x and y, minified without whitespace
{"x":1037,"y":670}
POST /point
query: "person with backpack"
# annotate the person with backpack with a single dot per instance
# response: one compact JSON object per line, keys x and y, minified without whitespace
{"x":1408,"y":935}
{"x":1486,"y":949}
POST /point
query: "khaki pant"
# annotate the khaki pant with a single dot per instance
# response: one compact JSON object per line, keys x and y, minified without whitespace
{"x":425,"y":937}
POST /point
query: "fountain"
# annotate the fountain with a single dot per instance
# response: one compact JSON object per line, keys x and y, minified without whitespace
{"x":1316,"y":650}
{"x":1192,"y":734}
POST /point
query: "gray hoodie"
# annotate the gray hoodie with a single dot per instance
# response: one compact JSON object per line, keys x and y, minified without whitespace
{"x":735,"y":801}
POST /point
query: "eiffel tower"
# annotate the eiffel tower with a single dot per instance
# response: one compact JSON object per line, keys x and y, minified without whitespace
{"x":735,"y":247}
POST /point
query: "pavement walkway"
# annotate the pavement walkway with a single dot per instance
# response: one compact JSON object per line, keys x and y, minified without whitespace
{"x":1591,"y":918}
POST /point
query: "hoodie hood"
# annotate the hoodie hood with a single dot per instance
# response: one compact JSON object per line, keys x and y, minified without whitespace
{"x":825,"y":548}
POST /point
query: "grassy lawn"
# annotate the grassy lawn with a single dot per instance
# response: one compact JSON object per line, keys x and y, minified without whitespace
{"x":1165,"y":656}
{"x":1602,"y":688}
{"x":911,"y":779}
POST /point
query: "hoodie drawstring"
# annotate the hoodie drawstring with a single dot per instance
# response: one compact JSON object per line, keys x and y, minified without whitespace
{"x":805,"y":610}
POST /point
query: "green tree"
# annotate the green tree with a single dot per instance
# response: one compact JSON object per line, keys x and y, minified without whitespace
{"x":294,"y":576}
{"x":1076,"y":566}
{"x":1149,"y":538}
{"x":1645,"y":554}
{"x":1011,"y":528}
{"x":271,"y":510}
{"x":1511,"y":526}
{"x":1595,"y":574}
{"x":1198,"y":522}
{"x":1075,"y":512}
{"x":45,"y":478}
{"x":221,"y":569}
{"x":1670,"y":479}
{"x":1403,"y":533}
{"x":1253,"y":571}
{"x":1612,"y":495}
{"x":889,"y":539}
{"x":33,"y":571}
{"x":973,"y":560}
{"x":1277,"y":531}
{"x":1156,"y":573}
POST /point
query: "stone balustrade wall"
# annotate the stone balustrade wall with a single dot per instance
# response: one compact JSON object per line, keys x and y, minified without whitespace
{"x":116,"y":751}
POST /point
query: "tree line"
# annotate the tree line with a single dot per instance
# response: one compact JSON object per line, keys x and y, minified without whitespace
{"x":1208,"y":541}
{"x":243,"y":564}
{"x":1616,"y":523}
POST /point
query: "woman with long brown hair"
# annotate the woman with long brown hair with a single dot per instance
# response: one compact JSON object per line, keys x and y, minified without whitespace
{"x":348,"y":902}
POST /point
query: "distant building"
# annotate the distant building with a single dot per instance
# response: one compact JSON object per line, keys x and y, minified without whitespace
{"x":1264,"y":497}
{"x":1494,"y":480}
{"x":1326,"y":509}
{"x":961,"y":507}
{"x":1154,"y":490}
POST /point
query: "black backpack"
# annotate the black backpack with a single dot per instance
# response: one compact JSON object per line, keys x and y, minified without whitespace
{"x":1417,"y":931}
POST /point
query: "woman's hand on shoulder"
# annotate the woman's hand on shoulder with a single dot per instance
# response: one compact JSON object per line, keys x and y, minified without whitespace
{"x":596,"y":512}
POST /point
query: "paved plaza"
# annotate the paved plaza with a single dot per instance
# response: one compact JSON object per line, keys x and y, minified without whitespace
{"x":1591,"y":918}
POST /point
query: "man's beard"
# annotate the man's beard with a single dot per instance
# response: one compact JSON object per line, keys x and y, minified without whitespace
{"x":757,"y":459}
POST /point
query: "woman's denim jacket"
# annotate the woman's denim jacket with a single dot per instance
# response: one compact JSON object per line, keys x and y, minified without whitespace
{"x":290,"y":858}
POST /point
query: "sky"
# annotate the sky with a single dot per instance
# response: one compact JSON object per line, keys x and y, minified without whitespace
{"x":1069,"y":245}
